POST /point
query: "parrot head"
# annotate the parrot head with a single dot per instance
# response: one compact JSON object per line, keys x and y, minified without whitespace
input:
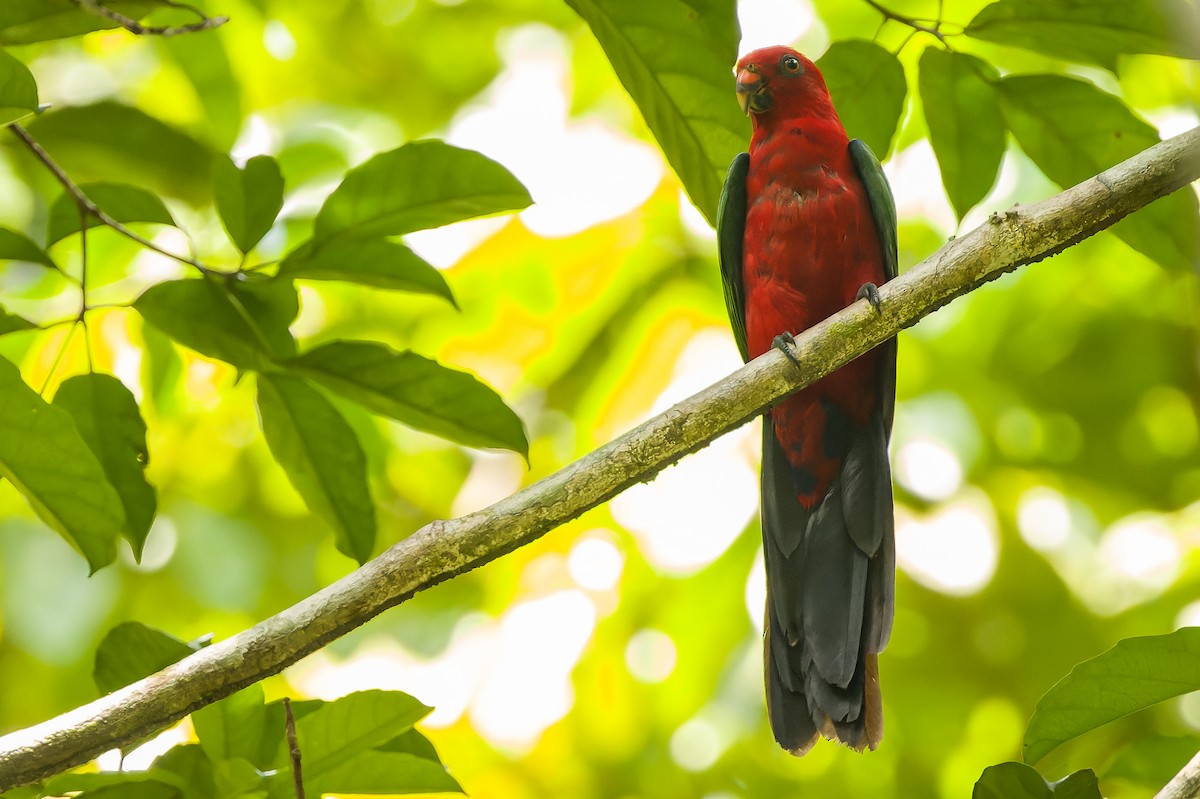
{"x":778,"y":81}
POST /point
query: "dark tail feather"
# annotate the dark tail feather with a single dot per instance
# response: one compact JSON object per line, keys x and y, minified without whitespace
{"x":829,"y":598}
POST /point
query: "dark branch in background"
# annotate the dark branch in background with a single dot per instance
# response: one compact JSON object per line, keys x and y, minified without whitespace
{"x":293,"y":747}
{"x":137,"y":28}
{"x":912,"y":22}
{"x":443,"y":549}
{"x":86,"y":205}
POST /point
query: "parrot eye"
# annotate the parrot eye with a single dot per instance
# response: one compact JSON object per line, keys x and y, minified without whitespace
{"x":790,"y":64}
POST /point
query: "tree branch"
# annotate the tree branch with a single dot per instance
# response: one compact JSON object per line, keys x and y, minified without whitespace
{"x":443,"y":549}
{"x":1185,"y":784}
{"x":138,"y":29}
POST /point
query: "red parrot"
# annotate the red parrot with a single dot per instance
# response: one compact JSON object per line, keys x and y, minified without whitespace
{"x":807,"y":224}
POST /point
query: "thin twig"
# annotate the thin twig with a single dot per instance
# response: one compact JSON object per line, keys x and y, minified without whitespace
{"x":85,"y":202}
{"x":443,"y":549}
{"x":293,"y":746}
{"x":911,"y":22}
{"x":133,"y":26}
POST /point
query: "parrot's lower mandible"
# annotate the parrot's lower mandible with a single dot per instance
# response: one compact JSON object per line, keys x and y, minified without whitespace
{"x":807,"y":224}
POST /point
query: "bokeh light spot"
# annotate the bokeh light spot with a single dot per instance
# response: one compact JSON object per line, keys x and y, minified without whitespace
{"x":953,"y":551}
{"x":595,"y":563}
{"x":928,"y":468}
{"x":650,"y":656}
{"x":1043,"y":518}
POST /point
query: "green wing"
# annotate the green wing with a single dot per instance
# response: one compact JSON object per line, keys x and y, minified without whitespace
{"x":883,"y":207}
{"x":731,"y":230}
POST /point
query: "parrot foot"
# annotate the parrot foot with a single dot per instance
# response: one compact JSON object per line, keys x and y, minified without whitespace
{"x":870,"y":293}
{"x":785,"y":342}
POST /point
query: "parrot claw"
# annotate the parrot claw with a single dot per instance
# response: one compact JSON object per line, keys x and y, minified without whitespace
{"x":870,"y":293}
{"x":785,"y":342}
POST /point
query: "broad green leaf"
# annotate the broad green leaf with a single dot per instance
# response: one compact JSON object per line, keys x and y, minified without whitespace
{"x":322,"y":458}
{"x":238,"y":779}
{"x":122,"y":202}
{"x":107,"y":416}
{"x":676,"y":58}
{"x":131,"y":651}
{"x":204,"y":60}
{"x":1134,"y":674}
{"x":238,"y":321}
{"x":370,"y":772}
{"x":868,"y":89}
{"x":45,"y":458}
{"x":232,"y":727}
{"x":152,"y":782}
{"x":416,"y":391}
{"x":423,"y":184}
{"x":356,"y":723}
{"x":16,"y":246}
{"x":1019,"y":781}
{"x":190,"y":764}
{"x":108,"y":141}
{"x":381,"y":263}
{"x":248,"y":199}
{"x":1073,"y":130}
{"x":11,"y":323}
{"x":411,"y":742}
{"x":966,"y":128}
{"x":1091,"y":31}
{"x":27,"y":21}
{"x":18,"y":90}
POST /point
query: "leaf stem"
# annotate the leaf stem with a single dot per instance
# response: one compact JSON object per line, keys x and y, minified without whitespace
{"x":138,"y":29}
{"x":293,"y":747}
{"x":86,"y":203}
{"x":912,"y":22}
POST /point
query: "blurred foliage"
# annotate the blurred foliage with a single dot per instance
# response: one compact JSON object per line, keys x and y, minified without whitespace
{"x":1047,"y":447}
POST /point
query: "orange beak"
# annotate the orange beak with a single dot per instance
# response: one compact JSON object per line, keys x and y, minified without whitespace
{"x":753,"y":95}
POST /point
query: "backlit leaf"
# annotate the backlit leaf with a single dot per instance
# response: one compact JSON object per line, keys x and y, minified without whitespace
{"x":107,"y":416}
{"x":124,"y":203}
{"x":676,"y":58}
{"x":43,"y":455}
{"x":16,"y":246}
{"x":1073,"y":130}
{"x":26,"y":21}
{"x":416,"y":391}
{"x":370,"y":262}
{"x":423,"y":184}
{"x":1134,"y":674}
{"x":131,"y":651}
{"x":966,"y":128}
{"x":18,"y":90}
{"x":248,"y":199}
{"x":322,"y":458}
{"x":868,"y":89}
{"x":1019,"y":781}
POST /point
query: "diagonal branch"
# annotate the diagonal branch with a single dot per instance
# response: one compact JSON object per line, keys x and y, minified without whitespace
{"x":138,"y":29}
{"x":444,"y":549}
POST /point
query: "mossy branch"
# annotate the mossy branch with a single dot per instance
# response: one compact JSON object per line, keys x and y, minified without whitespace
{"x":443,"y":549}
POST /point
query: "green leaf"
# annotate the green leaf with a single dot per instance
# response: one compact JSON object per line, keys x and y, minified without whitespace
{"x":192,"y":766}
{"x":45,"y":458}
{"x":1091,"y":31}
{"x":1019,"y":781}
{"x":125,"y":204}
{"x":16,"y":246}
{"x":131,"y":651}
{"x":868,"y":89}
{"x":411,"y":742}
{"x":248,"y":199}
{"x":18,"y":90}
{"x":27,"y":21}
{"x":370,"y":262}
{"x":423,"y":184}
{"x":107,"y":416}
{"x":372,"y":772}
{"x":356,"y":723}
{"x":1134,"y":674}
{"x":322,"y":458}
{"x":966,"y":128}
{"x":238,"y":321}
{"x":11,"y":323}
{"x":204,"y":60}
{"x":1073,"y":130}
{"x":152,"y":784}
{"x":416,"y":391}
{"x":675,"y":58}
{"x":238,"y":778}
{"x":232,"y":727}
{"x":107,"y":141}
